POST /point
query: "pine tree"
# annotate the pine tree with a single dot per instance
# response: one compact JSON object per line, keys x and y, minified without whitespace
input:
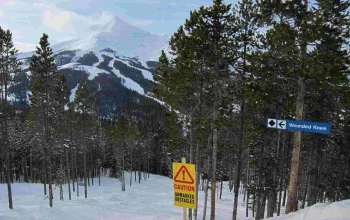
{"x":210,"y":32}
{"x":329,"y":74}
{"x":8,"y":65}
{"x":245,"y":42}
{"x":85,"y":106}
{"x":43,"y":110}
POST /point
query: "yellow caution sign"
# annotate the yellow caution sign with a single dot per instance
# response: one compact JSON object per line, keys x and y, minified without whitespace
{"x":184,"y":180}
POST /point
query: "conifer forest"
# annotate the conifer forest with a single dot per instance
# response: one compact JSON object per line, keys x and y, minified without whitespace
{"x":227,"y":70}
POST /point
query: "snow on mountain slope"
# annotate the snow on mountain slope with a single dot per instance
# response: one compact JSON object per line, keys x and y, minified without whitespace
{"x":125,"y":39}
{"x":128,"y":83}
{"x":93,"y":71}
{"x":147,"y":74}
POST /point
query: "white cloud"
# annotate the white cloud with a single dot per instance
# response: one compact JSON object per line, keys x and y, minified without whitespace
{"x":23,"y":47}
{"x":54,"y":18}
{"x":1,"y":14}
{"x":9,"y":3}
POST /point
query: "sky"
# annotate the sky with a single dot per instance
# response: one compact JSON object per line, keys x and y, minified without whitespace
{"x":65,"y":19}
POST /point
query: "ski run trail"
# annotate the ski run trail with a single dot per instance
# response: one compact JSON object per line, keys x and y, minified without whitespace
{"x":152,"y":199}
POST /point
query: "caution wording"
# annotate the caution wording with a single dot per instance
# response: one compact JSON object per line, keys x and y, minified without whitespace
{"x":184,"y":180}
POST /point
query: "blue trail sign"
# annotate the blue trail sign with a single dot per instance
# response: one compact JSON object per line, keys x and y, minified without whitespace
{"x":305,"y":126}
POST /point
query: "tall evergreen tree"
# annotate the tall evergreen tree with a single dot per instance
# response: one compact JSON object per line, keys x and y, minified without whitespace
{"x":86,"y":120}
{"x":8,"y":66}
{"x":245,"y":41}
{"x":210,"y":32}
{"x":43,"y":110}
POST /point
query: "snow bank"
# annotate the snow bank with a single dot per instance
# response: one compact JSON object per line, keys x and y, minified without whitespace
{"x":321,"y":211}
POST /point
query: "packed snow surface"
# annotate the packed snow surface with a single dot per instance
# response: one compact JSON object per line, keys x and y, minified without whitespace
{"x":150,"y":200}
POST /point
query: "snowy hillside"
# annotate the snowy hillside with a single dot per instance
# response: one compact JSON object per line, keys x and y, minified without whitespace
{"x":152,"y":200}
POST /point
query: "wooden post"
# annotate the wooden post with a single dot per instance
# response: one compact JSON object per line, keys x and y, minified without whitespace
{"x":184,"y":209}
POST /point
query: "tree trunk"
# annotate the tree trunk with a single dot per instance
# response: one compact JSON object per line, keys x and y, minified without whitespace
{"x":258,"y":204}
{"x":91,"y":169}
{"x":281,"y":177}
{"x":140,"y":163}
{"x":76,"y":172}
{"x":239,"y":163}
{"x":306,"y":185}
{"x":191,"y":159}
{"x":2,"y":173}
{"x":195,"y":212}
{"x":123,"y":177}
{"x":13,"y":170}
{"x":254,"y":200}
{"x":6,"y":142}
{"x":88,"y":169}
{"x":85,"y":172}
{"x":294,"y":172}
{"x":263,"y":204}
{"x":148,"y":167}
{"x":314,"y":186}
{"x":99,"y":176}
{"x":221,"y":189}
{"x":61,"y":181}
{"x":130,"y":167}
{"x":68,"y":175}
{"x":213,"y":180}
{"x":271,"y":202}
{"x":247,"y":204}
{"x":284,"y":194}
{"x":73,"y":172}
{"x":8,"y":174}
{"x":31,"y":166}
{"x":206,"y":188}
{"x":208,"y":174}
{"x":50,"y":176}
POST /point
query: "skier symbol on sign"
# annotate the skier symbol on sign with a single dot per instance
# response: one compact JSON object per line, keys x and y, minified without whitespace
{"x":183,"y":176}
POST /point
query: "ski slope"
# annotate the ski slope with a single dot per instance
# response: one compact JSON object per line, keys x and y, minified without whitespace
{"x":150,"y":200}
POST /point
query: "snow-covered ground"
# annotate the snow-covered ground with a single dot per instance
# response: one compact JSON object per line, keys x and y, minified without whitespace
{"x":152,"y":199}
{"x":321,"y":211}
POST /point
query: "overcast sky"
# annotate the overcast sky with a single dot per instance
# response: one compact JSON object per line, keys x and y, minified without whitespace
{"x":64,"y":19}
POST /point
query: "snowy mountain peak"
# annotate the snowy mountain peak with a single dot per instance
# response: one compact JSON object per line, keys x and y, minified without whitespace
{"x":114,"y":26}
{"x":118,"y":35}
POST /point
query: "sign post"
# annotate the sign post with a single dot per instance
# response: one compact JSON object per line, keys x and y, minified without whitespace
{"x":184,"y":181}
